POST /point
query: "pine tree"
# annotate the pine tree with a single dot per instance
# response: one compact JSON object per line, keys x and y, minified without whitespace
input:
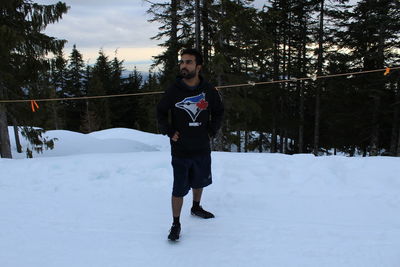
{"x":289,"y":21}
{"x":23,"y":47}
{"x":372,"y":36}
{"x":330,"y":14}
{"x":234,"y":29}
{"x":75,"y":74}
{"x":174,"y":29}
{"x":118,"y":104}
{"x":59,"y":80}
{"x":146,"y":112}
{"x":100,"y":84}
{"x":130,"y":105}
{"x":75,"y":78}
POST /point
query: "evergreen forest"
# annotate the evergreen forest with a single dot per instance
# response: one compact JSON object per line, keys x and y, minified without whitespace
{"x":266,"y":51}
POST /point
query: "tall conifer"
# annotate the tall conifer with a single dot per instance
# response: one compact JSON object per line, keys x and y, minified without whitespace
{"x":23,"y":48}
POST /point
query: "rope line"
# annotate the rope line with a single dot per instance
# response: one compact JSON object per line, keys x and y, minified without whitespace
{"x":313,"y":77}
{"x":306,"y":78}
{"x":78,"y":97}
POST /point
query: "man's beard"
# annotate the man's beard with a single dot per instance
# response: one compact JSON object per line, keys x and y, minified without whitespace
{"x":188,"y":74}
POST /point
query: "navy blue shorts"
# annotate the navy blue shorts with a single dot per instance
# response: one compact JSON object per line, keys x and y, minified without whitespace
{"x":189,"y":173}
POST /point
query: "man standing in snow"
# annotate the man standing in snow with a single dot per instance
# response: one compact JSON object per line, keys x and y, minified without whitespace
{"x":196,"y":111}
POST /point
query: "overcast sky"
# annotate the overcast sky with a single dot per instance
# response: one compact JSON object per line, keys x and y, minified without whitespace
{"x":110,"y":25}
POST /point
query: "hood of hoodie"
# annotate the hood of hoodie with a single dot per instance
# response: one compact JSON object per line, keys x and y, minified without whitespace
{"x":179,"y":83}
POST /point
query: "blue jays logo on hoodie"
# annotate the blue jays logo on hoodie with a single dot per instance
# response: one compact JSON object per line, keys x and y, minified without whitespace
{"x":193,"y":105}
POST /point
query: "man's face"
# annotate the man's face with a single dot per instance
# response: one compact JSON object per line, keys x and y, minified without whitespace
{"x":188,"y":67}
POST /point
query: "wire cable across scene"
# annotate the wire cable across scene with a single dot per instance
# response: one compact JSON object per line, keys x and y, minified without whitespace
{"x":249,"y":83}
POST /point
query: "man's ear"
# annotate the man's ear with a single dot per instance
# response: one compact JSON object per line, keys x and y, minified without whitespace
{"x":198,"y":67}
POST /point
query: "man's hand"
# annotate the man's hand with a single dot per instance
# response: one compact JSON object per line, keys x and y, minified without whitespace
{"x":175,"y":137}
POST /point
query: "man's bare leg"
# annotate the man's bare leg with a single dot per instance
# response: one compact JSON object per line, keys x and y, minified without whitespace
{"x":177,"y":203}
{"x":197,"y":194}
{"x":176,"y":211}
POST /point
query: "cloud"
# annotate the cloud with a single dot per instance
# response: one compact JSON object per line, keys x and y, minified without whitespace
{"x":109,"y":25}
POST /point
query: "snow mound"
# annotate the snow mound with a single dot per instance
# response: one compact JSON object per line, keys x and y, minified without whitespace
{"x":108,"y":141}
{"x":157,"y":141}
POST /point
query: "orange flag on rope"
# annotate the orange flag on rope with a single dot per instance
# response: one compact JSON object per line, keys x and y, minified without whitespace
{"x":33,"y":105}
{"x":387,"y":71}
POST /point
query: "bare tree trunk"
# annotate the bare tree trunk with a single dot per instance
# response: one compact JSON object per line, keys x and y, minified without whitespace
{"x":301,"y":87}
{"x":282,"y":141}
{"x":376,"y":95}
{"x":275,"y":88}
{"x":219,"y":143}
{"x":260,"y":142}
{"x":317,"y":119}
{"x":239,"y":143}
{"x":285,"y":72}
{"x":197,"y":24}
{"x":319,"y":83}
{"x":364,"y":151}
{"x":246,"y":141}
{"x":292,"y":144}
{"x":274,"y":136}
{"x":174,"y":32}
{"x":206,"y":32}
{"x":219,"y":138}
{"x":301,"y":117}
{"x":5,"y":147}
{"x":398,"y":144}
{"x":285,"y":145}
{"x":16,"y":135}
{"x":395,"y":124}
{"x":220,"y":47}
{"x":375,"y":127}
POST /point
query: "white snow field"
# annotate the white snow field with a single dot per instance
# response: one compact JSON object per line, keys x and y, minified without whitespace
{"x":103,"y":200}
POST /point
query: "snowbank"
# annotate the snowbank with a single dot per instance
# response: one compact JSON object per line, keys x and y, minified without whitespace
{"x":113,"y":209}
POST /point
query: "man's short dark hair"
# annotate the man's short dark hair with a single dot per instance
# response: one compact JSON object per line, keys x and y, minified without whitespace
{"x":193,"y":52}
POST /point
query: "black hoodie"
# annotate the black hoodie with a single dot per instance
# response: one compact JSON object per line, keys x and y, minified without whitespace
{"x":196,"y":113}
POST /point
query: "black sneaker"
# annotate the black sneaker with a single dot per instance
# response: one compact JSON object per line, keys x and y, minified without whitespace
{"x":202,"y":213}
{"x":174,"y":232}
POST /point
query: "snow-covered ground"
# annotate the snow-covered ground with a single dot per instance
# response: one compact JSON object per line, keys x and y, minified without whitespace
{"x":103,"y":200}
